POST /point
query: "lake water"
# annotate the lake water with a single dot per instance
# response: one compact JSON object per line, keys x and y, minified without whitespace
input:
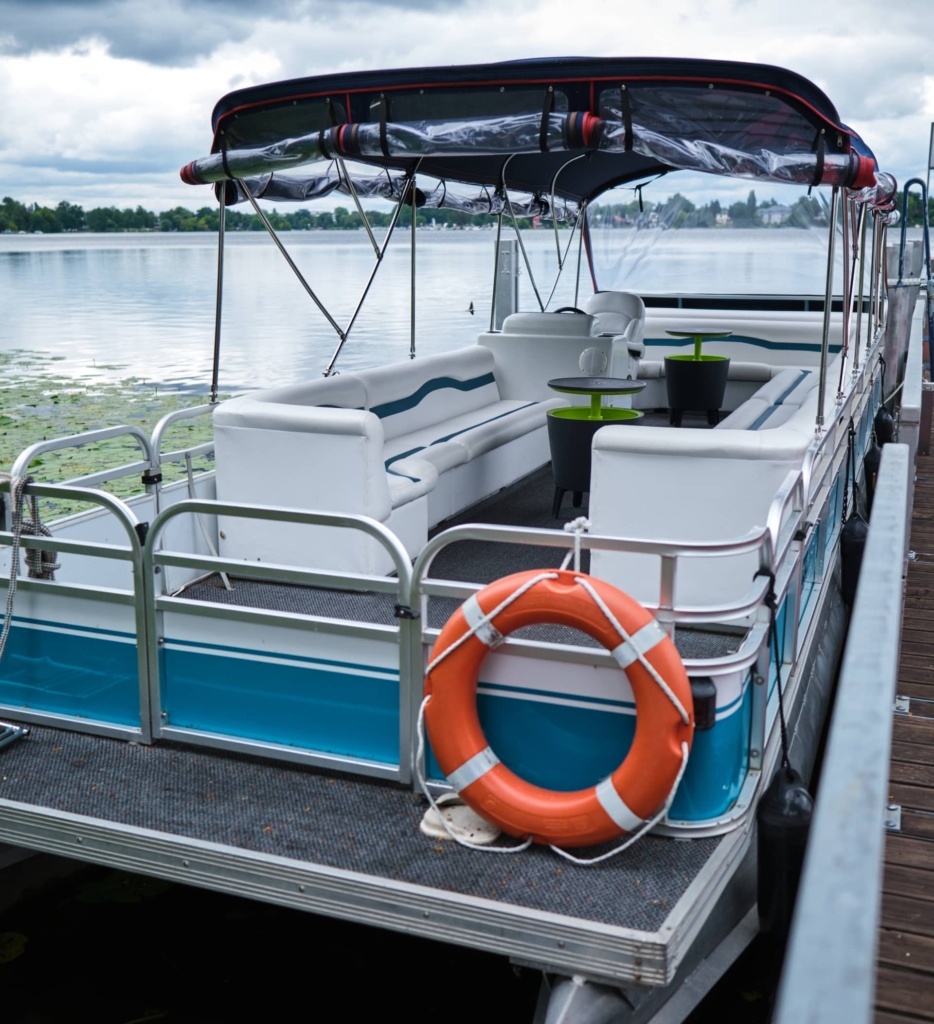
{"x":142,"y":305}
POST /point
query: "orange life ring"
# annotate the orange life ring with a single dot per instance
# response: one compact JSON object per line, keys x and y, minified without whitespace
{"x":640,"y":785}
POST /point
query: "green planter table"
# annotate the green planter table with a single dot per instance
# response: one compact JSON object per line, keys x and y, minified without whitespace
{"x":696,"y":381}
{"x":571,"y":430}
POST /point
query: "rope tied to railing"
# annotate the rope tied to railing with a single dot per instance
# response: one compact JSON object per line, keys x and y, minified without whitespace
{"x":40,"y":565}
{"x":850,"y":474}
{"x":771,"y":602}
{"x":578,"y":527}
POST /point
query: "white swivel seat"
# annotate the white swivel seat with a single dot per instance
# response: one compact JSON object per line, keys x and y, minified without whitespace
{"x":621,"y":314}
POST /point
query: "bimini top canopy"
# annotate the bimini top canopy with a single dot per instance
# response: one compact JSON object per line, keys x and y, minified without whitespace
{"x":520,"y":124}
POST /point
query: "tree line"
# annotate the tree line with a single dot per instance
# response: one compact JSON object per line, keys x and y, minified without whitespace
{"x":16,"y":217}
{"x":676,"y":211}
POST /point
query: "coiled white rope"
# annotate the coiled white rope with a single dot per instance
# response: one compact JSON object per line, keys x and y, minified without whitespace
{"x":578,"y":527}
{"x":420,"y":725}
{"x":419,"y":756}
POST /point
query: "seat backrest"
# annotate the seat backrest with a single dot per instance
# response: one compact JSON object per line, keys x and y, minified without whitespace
{"x":421,"y":392}
{"x":546,"y":325}
{"x":342,"y":391}
{"x":615,"y":310}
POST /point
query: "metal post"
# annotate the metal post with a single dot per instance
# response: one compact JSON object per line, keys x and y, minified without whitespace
{"x":345,"y":334}
{"x":930,"y":163}
{"x":876,"y":260}
{"x":861,"y":230}
{"x":828,"y":302}
{"x":356,"y":199}
{"x":525,"y":257}
{"x":581,"y":214}
{"x":554,"y":218}
{"x":412,"y":270}
{"x":288,"y":259}
{"x":221,"y":217}
{"x":847,"y":292}
{"x":499,"y":232}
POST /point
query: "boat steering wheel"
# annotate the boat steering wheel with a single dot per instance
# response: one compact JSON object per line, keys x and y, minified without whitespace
{"x":571,"y":309}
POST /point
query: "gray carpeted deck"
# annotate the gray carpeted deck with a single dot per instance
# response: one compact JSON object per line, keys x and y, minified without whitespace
{"x":525,"y":503}
{"x":348,"y":823}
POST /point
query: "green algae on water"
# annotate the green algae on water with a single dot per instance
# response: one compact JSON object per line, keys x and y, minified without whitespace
{"x":39,"y":403}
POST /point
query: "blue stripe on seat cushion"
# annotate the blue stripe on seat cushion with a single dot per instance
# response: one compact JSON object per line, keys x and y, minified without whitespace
{"x":436,"y":384}
{"x":781,"y":398}
{"x":761,"y":418}
{"x":447,"y":437}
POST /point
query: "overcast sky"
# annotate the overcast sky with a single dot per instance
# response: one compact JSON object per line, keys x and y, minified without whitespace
{"x":103,"y":100}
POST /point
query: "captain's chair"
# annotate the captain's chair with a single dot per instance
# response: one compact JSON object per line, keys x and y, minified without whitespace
{"x":620,"y":313}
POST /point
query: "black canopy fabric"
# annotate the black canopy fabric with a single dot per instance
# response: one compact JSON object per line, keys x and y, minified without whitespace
{"x":522,"y":122}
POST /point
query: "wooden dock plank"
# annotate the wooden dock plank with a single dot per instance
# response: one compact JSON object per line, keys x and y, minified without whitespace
{"x":905,"y":973}
{"x":902,"y":949}
{"x":910,"y":851}
{"x":905,"y":991}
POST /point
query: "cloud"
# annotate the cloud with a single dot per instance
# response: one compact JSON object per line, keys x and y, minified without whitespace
{"x":170,"y":32}
{"x":108,"y":98}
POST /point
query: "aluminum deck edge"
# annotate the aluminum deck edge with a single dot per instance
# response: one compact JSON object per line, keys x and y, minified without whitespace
{"x":571,"y":944}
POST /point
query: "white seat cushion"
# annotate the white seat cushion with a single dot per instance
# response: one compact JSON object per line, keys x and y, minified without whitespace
{"x":438,"y":444}
{"x":744,"y":418}
{"x":651,"y":369}
{"x":790,"y":385}
{"x":410,"y":478}
{"x":740,"y":370}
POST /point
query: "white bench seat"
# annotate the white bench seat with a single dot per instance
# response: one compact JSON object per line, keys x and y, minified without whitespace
{"x":408,"y":445}
{"x":774,"y":403}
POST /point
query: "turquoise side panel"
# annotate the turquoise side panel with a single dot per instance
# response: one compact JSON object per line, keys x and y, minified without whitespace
{"x":780,"y":621}
{"x":315,"y":706}
{"x":718,"y":765}
{"x":562,"y":747}
{"x":808,"y":573}
{"x":91,"y":674}
{"x":556,"y":746}
{"x":834,"y":513}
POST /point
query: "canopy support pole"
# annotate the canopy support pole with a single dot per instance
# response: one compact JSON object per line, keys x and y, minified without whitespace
{"x":554,"y":217}
{"x":499,"y":234}
{"x":356,"y":199}
{"x":861,"y":230}
{"x":581,"y":214}
{"x":215,"y":370}
{"x":828,"y":303}
{"x":561,"y":263}
{"x":874,"y":284}
{"x":525,"y":256}
{"x":288,"y":259}
{"x":848,"y":274}
{"x":412,"y":270}
{"x":329,"y":370}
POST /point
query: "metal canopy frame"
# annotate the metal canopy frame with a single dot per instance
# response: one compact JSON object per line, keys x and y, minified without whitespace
{"x":406,"y":197}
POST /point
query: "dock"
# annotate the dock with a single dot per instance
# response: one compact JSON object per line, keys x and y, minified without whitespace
{"x":905,"y":978}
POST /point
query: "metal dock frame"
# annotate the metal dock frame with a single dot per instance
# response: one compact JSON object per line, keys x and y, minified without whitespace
{"x":829,"y":972}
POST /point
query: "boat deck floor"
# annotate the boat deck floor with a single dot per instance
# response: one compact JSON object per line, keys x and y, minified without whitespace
{"x":359,"y":825}
{"x":905,"y":977}
{"x":525,"y":503}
